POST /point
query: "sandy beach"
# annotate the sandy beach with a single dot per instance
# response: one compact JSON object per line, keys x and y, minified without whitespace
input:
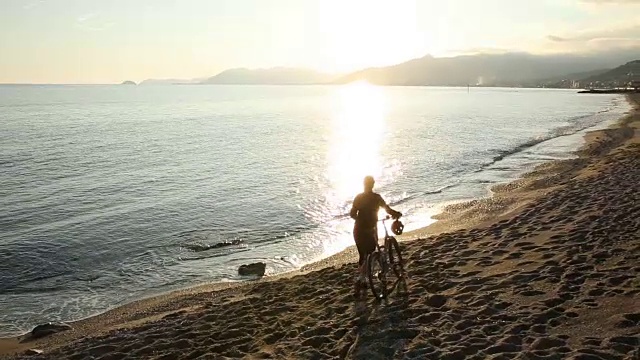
{"x":547,"y":268}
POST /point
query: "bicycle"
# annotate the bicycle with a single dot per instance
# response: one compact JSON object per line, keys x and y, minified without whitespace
{"x":386,"y":257}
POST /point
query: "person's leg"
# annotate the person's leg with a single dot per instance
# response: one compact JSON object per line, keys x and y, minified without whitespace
{"x":363,"y":250}
{"x":367,"y":246}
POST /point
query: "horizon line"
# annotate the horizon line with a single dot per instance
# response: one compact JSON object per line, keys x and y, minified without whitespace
{"x":336,"y":73}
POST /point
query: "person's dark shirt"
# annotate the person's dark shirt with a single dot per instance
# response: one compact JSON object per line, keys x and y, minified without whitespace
{"x":365,"y":209}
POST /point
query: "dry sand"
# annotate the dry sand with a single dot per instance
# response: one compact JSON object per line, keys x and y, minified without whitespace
{"x":548,"y":268}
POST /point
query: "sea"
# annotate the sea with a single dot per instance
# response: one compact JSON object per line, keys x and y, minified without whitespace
{"x":113,"y":193}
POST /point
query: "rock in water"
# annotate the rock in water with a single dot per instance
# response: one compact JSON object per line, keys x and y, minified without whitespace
{"x":33,"y":352}
{"x":256,"y":269}
{"x":48,"y":329}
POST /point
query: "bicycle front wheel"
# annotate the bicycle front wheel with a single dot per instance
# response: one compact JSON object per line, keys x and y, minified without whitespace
{"x":377,"y":276}
{"x":395,"y":258}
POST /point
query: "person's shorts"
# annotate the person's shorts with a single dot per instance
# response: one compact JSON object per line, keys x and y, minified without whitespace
{"x":365,"y":242}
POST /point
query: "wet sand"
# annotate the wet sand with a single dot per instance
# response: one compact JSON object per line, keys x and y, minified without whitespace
{"x":547,"y":268}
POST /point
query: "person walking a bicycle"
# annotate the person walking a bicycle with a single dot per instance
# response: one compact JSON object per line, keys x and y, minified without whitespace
{"x":365,"y":231}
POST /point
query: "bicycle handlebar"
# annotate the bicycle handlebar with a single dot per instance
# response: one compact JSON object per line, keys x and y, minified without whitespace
{"x":388,"y":217}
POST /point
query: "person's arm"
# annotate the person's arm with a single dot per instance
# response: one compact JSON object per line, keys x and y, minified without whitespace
{"x":354,"y":209}
{"x":394,"y":214}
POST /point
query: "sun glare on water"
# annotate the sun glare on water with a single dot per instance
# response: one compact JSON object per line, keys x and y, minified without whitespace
{"x":358,"y":130}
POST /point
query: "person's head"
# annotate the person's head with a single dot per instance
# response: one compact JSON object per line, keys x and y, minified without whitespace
{"x":368,"y":183}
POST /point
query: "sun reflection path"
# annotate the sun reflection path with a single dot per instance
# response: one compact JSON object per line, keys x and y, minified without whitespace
{"x":358,"y":132}
{"x":358,"y":129}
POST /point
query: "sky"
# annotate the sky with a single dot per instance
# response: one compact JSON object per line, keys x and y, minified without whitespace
{"x":109,"y":41}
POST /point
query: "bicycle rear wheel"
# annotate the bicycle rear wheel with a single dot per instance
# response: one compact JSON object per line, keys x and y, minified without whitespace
{"x":395,"y":258}
{"x":377,"y":276}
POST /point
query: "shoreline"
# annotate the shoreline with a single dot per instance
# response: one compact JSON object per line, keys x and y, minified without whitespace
{"x":507,"y":201}
{"x":474,"y":212}
{"x":609,"y":91}
{"x":614,"y":106}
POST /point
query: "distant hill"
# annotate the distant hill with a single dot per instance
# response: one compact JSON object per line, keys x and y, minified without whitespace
{"x":170,"y":81}
{"x":573,"y":80}
{"x":128,"y":82}
{"x":621,"y":74}
{"x":573,"y":76}
{"x":510,"y":69}
{"x":273,"y":76}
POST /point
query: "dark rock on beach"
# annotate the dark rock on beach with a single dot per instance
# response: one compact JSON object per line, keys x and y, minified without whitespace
{"x":33,"y":352}
{"x":48,"y":329}
{"x":255,"y":269}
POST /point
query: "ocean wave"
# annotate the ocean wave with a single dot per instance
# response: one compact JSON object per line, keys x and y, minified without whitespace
{"x":206,"y":247}
{"x":29,"y":290}
{"x":210,"y":255}
{"x":197,"y":240}
{"x":577,"y":124}
{"x":405,"y":198}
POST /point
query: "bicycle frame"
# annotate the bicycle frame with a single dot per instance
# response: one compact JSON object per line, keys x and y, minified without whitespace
{"x":386,"y":234}
{"x":384,"y":250}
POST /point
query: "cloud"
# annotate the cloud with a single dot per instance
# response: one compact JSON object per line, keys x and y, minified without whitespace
{"x":480,"y":50}
{"x":624,"y":37}
{"x":85,"y":17}
{"x":33,"y":4}
{"x":556,"y":38}
{"x":103,"y":26}
{"x":92,"y":22}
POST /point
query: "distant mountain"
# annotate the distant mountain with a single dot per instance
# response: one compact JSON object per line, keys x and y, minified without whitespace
{"x":273,"y":76}
{"x":509,"y":69}
{"x":573,"y":80}
{"x":622,"y":74}
{"x":170,"y":81}
{"x":574,"y":76}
